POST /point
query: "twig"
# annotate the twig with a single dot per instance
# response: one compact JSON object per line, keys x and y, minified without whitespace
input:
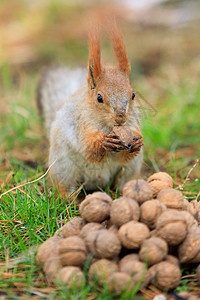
{"x":188,"y":276}
{"x":188,"y":174}
{"x":197,"y":196}
{"x":29,"y":182}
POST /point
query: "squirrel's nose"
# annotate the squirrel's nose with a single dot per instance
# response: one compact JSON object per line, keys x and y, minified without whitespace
{"x":121,"y":114}
{"x":120,"y":117}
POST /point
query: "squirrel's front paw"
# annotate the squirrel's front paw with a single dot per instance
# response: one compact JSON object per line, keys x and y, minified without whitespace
{"x":111,"y":142}
{"x":136,"y":144}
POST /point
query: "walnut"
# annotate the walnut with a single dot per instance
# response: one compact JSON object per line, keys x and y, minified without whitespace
{"x":102,"y":269}
{"x":131,"y":265}
{"x":194,"y":209}
{"x":103,"y":243}
{"x":72,"y":251}
{"x":128,"y":258}
{"x":166,"y":275}
{"x":125,"y":134}
{"x":138,"y":189}
{"x":191,"y":222}
{"x":51,"y":268}
{"x":189,"y":249}
{"x":72,"y":227}
{"x":150,"y":211}
{"x":118,"y":282}
{"x":71,"y":276}
{"x":153,"y":233}
{"x":89,"y":228}
{"x":198,"y":274}
{"x":185,"y":204}
{"x":172,"y":227}
{"x":113,"y":229}
{"x":132,"y":234}
{"x":171,"y":198}
{"x":96,"y":207}
{"x":160,"y":181}
{"x":47,"y":250}
{"x":153,"y":250}
{"x":124,"y":210}
{"x":142,"y":278}
{"x":172,"y":259}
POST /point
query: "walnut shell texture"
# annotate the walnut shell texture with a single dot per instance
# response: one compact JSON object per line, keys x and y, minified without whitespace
{"x":193,"y":208}
{"x":142,"y":277}
{"x":47,"y":250}
{"x":124,"y":133}
{"x":172,"y":259}
{"x":172,"y":227}
{"x":128,"y":258}
{"x":72,"y":227}
{"x":71,"y":276}
{"x":160,"y":181}
{"x":138,"y":189}
{"x":132,"y":234}
{"x":51,"y":268}
{"x":72,"y":251}
{"x":96,"y":207}
{"x":102,"y":269}
{"x":118,"y":282}
{"x":171,"y":198}
{"x":198,"y":274}
{"x":153,"y":250}
{"x":89,"y":227}
{"x":132,"y":267}
{"x":124,"y":210}
{"x":167,"y":275}
{"x":189,"y":249}
{"x":150,"y":211}
{"x":103,"y":243}
{"x":191,"y":222}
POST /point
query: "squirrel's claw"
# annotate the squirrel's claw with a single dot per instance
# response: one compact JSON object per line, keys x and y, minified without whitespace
{"x":112,"y":138}
{"x":136,"y":144}
{"x":111,"y":142}
{"x":114,"y":141}
{"x":108,"y":146}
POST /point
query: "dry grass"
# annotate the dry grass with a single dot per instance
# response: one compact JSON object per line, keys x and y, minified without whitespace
{"x":165,"y":70}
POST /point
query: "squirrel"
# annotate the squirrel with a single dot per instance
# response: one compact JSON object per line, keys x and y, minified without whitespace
{"x":80,"y":115}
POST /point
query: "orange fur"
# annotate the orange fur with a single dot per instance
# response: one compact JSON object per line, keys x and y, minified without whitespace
{"x":94,"y":151}
{"x":119,"y":49}
{"x":94,"y":63}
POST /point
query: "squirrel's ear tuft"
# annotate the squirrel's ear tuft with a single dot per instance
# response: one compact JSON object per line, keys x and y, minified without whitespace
{"x":119,"y":48}
{"x":94,"y":64}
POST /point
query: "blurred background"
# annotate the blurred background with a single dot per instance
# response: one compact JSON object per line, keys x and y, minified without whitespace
{"x":162,"y":39}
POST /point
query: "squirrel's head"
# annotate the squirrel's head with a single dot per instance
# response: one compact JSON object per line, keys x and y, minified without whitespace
{"x":109,"y":90}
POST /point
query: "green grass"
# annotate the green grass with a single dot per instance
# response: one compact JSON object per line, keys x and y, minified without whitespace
{"x":32,"y":214}
{"x":28,"y":218}
{"x":175,"y":123}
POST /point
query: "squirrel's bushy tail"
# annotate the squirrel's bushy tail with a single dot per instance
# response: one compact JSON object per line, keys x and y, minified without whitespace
{"x":55,"y":86}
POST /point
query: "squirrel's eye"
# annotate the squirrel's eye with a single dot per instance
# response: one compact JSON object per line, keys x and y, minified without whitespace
{"x":133,"y":95}
{"x":99,"y":98}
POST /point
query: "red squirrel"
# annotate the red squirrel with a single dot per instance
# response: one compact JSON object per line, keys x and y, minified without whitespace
{"x":80,"y":116}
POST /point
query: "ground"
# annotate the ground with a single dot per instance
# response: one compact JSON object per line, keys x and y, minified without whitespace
{"x":165,"y":75}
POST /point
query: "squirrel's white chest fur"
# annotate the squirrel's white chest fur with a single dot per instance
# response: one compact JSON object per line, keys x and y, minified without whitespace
{"x":71,"y":168}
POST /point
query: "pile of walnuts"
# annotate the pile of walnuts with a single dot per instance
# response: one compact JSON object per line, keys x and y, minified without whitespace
{"x":141,"y":238}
